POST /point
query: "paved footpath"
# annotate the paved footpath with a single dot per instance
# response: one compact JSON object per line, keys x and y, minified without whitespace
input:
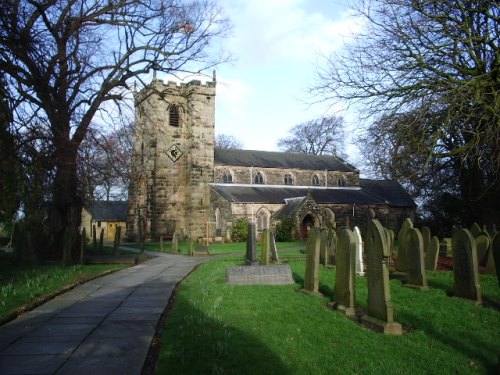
{"x":104,"y":326}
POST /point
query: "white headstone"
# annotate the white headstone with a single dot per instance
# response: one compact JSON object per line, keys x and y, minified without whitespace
{"x":360,"y":268}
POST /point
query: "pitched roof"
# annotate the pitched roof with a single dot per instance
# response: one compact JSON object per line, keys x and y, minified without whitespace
{"x":268,"y":159}
{"x":390,"y":191}
{"x":278,"y":193}
{"x":108,"y":210}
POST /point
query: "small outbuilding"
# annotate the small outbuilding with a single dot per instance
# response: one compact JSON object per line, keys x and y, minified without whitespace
{"x":107,"y":216}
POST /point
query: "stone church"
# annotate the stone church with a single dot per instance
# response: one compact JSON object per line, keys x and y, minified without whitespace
{"x":182,"y":184}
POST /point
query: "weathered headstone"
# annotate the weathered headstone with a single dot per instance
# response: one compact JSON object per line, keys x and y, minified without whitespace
{"x":402,"y":261}
{"x":416,"y":277}
{"x":83,"y":244}
{"x":432,"y":254}
{"x":483,"y":242}
{"x":390,"y":239}
{"x":101,"y":241}
{"x":344,"y":294}
{"x":116,"y":242}
{"x":360,"y":267}
{"x":274,"y":249}
{"x":495,"y":250}
{"x":190,"y":249}
{"x":251,"y":254}
{"x":311,"y":278}
{"x":331,"y":249}
{"x":265,"y":247}
{"x":475,"y":229}
{"x":465,"y":267}
{"x":380,"y":310}
{"x":175,"y":243}
{"x":323,"y":247}
{"x":445,"y":248}
{"x":426,"y":237}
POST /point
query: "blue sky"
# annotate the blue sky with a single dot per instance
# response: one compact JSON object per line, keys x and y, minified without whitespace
{"x":276,"y":45}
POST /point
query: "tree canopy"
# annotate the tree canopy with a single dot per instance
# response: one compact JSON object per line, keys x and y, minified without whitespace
{"x":426,"y":77}
{"x":63,"y":61}
{"x":321,"y":136}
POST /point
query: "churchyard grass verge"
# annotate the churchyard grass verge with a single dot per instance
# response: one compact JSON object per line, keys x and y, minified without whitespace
{"x":25,"y":287}
{"x":218,"y":328}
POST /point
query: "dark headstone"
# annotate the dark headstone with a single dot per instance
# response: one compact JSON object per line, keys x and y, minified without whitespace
{"x":344,"y":295}
{"x":465,"y":266}
{"x":416,"y":277}
{"x":251,"y":255}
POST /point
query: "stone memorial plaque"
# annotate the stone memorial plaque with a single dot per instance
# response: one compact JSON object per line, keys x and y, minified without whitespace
{"x":265,"y":275}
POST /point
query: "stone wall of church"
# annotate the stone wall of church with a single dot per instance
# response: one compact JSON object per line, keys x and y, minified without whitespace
{"x":172,"y":195}
{"x":276,"y":176}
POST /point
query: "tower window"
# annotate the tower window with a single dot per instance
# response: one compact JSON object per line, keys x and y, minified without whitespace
{"x":258,"y":179}
{"x":173,"y":116}
{"x":288,"y":179}
{"x":227,"y":177}
{"x":315,"y":180}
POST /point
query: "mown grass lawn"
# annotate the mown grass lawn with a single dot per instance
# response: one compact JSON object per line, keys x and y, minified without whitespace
{"x":215,"y":328}
{"x":25,"y":287}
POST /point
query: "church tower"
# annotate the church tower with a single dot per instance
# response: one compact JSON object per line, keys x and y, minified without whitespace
{"x":173,"y":159}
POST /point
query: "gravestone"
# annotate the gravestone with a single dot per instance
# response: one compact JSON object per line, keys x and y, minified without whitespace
{"x":402,"y":261}
{"x":323,"y":247}
{"x":445,"y":248}
{"x":426,"y":237}
{"x":432,"y":254}
{"x":94,"y":238}
{"x":116,"y":241}
{"x":190,"y":249}
{"x":475,"y":230}
{"x":360,"y":267}
{"x":344,"y":295}
{"x":83,"y":244}
{"x":465,"y":267}
{"x":251,"y":254}
{"x":380,"y":310}
{"x":495,"y":250}
{"x":390,"y":239}
{"x":483,"y":242}
{"x":265,"y":247}
{"x":415,"y":275}
{"x":311,"y":278}
{"x":274,"y":249}
{"x":331,"y":249}
{"x":101,"y":241}
{"x":175,"y":244}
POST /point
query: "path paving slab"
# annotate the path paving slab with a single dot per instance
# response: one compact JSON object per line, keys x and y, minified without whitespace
{"x":104,"y":326}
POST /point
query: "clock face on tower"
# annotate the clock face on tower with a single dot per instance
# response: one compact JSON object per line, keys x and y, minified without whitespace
{"x":174,"y":153}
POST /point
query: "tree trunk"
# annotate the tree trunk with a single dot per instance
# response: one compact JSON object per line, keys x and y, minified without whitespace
{"x":65,"y":213}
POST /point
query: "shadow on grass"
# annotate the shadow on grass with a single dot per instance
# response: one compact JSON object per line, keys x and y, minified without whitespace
{"x":194,"y":343}
{"x":472,"y":345}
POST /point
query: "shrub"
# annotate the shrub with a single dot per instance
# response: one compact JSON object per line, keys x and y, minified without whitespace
{"x":284,"y":230}
{"x":240,"y":230}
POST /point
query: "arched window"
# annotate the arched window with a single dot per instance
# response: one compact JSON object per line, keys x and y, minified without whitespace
{"x":288,"y":179}
{"x":263,"y":219}
{"x":258,"y":179}
{"x":315,"y":180}
{"x":174,"y":116}
{"x":341,"y":181}
{"x":227,"y":177}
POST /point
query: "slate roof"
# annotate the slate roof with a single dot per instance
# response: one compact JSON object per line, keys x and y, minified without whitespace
{"x":388,"y":190}
{"x":108,"y":210}
{"x":269,"y":159}
{"x":278,"y":193}
{"x":373,"y":192}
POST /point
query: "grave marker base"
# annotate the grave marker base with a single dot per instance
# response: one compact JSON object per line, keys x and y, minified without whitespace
{"x":311,"y":293}
{"x":350,"y":312}
{"x":413,"y":286}
{"x":378,"y":325}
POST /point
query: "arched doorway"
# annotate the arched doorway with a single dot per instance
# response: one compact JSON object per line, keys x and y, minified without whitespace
{"x":309,"y":221}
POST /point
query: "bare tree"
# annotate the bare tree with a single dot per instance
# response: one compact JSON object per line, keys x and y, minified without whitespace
{"x":64,"y":60}
{"x":426,"y":74}
{"x":227,"y":142}
{"x":320,"y":136}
